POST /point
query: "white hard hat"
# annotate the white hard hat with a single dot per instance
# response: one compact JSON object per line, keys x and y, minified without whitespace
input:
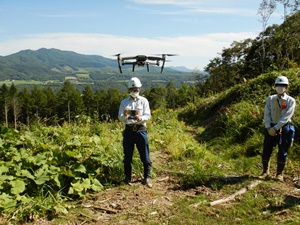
{"x":134,"y":82}
{"x":282,"y":80}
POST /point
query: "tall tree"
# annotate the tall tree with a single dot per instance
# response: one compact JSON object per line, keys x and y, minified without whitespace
{"x":113,"y":99}
{"x":15,"y":104}
{"x":157,"y":97}
{"x":64,"y":104}
{"x":70,"y":103}
{"x":26,"y":103}
{"x":4,"y":99}
{"x":186,"y":94}
{"x":289,"y":8}
{"x":89,"y":100}
{"x":102,"y":106}
{"x":39,"y":102}
{"x":171,"y":96}
{"x":265,"y":10}
{"x":50,"y":102}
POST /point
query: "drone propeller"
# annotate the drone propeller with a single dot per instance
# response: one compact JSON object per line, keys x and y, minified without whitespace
{"x":164,"y":54}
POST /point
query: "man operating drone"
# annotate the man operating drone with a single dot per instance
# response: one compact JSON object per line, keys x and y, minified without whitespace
{"x":142,"y":60}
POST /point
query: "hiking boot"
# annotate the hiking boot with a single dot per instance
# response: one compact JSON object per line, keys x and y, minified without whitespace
{"x":264,"y":176}
{"x":148,"y":183}
{"x":147,"y":175}
{"x":266,"y":166}
{"x":126,"y":181}
{"x":279,"y":177}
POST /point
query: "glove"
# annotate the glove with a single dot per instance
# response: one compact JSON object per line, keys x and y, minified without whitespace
{"x":272,"y":131}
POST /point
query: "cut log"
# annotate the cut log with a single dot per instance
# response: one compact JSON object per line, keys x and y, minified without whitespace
{"x":232,"y":197}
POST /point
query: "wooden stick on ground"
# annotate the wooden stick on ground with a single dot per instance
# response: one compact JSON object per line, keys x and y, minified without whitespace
{"x":232,"y":197}
{"x":101,"y":208}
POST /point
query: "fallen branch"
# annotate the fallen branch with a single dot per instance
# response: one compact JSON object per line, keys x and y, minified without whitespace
{"x":232,"y":197}
{"x":101,"y":208}
{"x":164,"y":179}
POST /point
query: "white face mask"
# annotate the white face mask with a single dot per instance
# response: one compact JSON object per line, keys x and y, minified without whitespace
{"x":134,"y":94}
{"x":280,"y":90}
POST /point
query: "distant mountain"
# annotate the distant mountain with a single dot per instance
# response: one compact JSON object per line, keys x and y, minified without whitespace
{"x":53,"y":66}
{"x":48,"y":64}
{"x":181,"y":69}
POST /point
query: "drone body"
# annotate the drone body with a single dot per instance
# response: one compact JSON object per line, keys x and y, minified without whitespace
{"x":142,"y":60}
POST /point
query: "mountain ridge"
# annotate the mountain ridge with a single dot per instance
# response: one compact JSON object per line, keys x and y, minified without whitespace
{"x":54,"y":66}
{"x":53,"y":62}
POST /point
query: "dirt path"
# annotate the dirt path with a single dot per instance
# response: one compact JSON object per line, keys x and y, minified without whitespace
{"x":136,"y":203}
{"x":132,"y":204}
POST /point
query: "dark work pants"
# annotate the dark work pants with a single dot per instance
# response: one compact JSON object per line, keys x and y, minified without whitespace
{"x":139,"y":139}
{"x":281,"y":140}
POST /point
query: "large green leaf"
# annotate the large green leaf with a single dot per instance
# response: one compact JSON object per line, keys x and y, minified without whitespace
{"x":60,"y":209}
{"x":41,"y":175}
{"x":74,"y":142}
{"x":73,"y":154}
{"x":80,"y":168}
{"x":40,"y":159}
{"x":18,"y":186}
{"x":1,"y":143}
{"x":86,"y":183}
{"x":3,"y":169}
{"x":67,"y":172}
{"x":7,"y":202}
{"x":80,"y":186}
{"x":57,"y":180}
{"x":17,"y":156}
{"x":96,"y":185}
{"x":25,"y":173}
{"x":6,"y":177}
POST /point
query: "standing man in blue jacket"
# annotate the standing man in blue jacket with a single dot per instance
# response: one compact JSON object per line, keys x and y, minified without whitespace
{"x":134,"y":111}
{"x":279,"y":110}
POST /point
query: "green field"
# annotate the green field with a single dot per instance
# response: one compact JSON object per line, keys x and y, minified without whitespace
{"x":17,"y":82}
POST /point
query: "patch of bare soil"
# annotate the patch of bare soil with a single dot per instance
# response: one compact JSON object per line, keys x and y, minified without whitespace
{"x":136,"y":203}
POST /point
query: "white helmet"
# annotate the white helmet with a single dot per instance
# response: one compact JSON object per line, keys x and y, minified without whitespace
{"x":282,"y":80}
{"x":134,"y":82}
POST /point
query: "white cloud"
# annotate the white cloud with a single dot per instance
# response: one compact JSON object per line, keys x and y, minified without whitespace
{"x":193,"y":51}
{"x":193,"y":7}
{"x":229,"y":11}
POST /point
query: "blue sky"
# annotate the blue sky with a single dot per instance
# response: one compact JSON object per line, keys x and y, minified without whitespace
{"x":196,"y":30}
